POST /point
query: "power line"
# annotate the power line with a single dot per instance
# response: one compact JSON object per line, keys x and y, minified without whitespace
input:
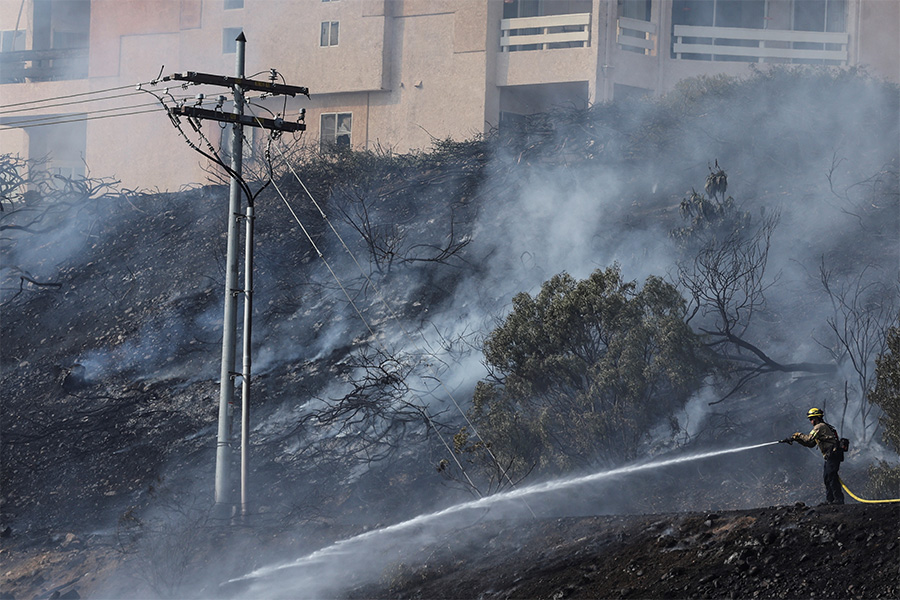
{"x":56,"y":118}
{"x":85,"y":101}
{"x":115,"y":89}
{"x":61,"y":122}
{"x":81,"y":116}
{"x":27,"y":108}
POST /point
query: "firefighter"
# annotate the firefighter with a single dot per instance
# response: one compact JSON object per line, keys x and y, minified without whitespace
{"x":826,"y":438}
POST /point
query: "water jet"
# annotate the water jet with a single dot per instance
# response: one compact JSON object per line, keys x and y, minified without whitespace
{"x":308,"y":572}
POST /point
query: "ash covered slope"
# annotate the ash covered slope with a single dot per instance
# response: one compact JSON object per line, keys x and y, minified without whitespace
{"x":776,"y":552}
{"x":103,"y":374}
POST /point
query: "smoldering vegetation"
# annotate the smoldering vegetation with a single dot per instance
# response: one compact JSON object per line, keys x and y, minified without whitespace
{"x":373,"y":304}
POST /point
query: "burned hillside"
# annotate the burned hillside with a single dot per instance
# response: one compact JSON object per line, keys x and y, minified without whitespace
{"x":777,"y":552}
{"x":378,"y":279}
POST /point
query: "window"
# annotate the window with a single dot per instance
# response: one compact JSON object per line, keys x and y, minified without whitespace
{"x":748,"y":14}
{"x":229,"y":39}
{"x":233,"y":4}
{"x":819,"y":15}
{"x":635,"y":9}
{"x":638,"y":10}
{"x":329,"y":35}
{"x":720,"y":13}
{"x":827,"y":16}
{"x":12,"y":41}
{"x":334,"y":129}
{"x":522,"y":8}
{"x":808,"y":15}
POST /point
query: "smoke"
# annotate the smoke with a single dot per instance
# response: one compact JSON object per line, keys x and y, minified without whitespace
{"x":829,"y":174}
{"x":823,"y":169}
{"x":558,"y":225}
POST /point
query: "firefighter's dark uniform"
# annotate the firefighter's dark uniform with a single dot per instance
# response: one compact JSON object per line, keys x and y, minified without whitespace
{"x":823,"y":436}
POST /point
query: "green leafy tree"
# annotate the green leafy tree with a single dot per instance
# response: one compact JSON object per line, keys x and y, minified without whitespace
{"x":885,"y":477}
{"x":581,"y":372}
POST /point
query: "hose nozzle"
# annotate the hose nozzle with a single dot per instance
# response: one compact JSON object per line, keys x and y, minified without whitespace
{"x":786,"y":441}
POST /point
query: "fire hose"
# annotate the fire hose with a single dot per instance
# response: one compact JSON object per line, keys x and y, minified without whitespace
{"x":844,"y":485}
{"x":858,"y":499}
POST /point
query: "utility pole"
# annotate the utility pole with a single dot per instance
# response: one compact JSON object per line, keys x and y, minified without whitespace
{"x":238,"y":120}
{"x":229,"y":320}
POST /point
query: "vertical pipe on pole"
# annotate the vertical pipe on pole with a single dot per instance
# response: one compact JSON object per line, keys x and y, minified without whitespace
{"x":245,"y":373}
{"x":226,"y":383}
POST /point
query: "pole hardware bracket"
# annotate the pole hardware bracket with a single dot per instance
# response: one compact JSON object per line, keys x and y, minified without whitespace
{"x":250,"y":121}
{"x":246,"y":84}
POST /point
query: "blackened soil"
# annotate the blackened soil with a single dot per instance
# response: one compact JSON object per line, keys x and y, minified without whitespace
{"x":797,"y":551}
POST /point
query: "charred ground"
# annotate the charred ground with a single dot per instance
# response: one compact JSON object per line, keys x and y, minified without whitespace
{"x":794,"y":551}
{"x":777,"y":552}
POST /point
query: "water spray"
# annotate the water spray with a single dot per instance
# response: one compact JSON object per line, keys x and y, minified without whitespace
{"x":344,"y":546}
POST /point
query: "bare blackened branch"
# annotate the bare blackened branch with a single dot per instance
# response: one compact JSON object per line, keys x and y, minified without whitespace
{"x":724,"y":276}
{"x":863,"y":311}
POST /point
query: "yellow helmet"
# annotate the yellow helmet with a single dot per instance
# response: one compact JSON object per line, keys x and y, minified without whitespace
{"x":815,"y":412}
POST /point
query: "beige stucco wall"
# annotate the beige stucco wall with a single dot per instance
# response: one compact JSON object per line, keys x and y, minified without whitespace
{"x":878,"y":46}
{"x":285,"y":35}
{"x":409,"y":70}
{"x":111,"y":20}
{"x":564,"y":64}
{"x":437,"y":83}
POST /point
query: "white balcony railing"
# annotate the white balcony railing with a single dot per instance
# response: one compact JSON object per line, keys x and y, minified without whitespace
{"x":636,"y":36}
{"x":758,"y":45}
{"x":543,"y":33}
{"x":43,"y":65}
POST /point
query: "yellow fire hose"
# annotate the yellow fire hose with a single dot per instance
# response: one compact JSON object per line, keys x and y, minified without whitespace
{"x":858,"y":499}
{"x":790,"y":440}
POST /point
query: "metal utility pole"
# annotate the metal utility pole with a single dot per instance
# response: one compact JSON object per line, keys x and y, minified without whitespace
{"x":245,"y":373}
{"x":229,"y":321}
{"x":238,"y":120}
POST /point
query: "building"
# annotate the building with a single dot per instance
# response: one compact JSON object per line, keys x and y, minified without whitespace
{"x":382,"y":73}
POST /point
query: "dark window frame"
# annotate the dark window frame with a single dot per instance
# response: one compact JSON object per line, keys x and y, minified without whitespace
{"x":331,"y":134}
{"x":329,"y":34}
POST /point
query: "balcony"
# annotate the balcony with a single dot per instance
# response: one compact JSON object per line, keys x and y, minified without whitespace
{"x":545,"y":33}
{"x":43,"y":65}
{"x":637,"y":36}
{"x":758,"y":45}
